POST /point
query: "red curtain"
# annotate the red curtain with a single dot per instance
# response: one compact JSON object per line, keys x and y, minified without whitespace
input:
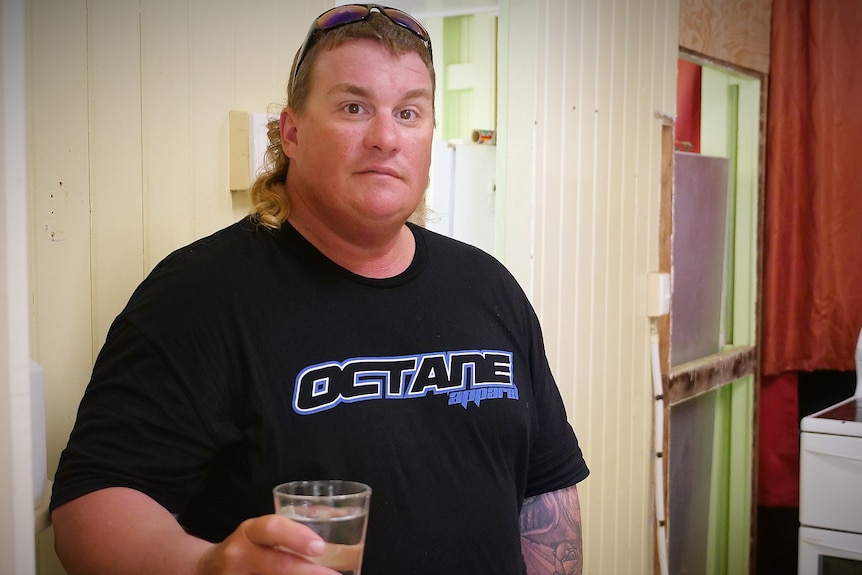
{"x":812,"y":284}
{"x":778,"y":441}
{"x":812,"y":298}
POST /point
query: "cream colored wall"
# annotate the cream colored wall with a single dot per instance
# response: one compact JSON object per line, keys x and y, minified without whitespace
{"x":129,"y":115}
{"x":581,"y":188}
{"x":129,"y":147}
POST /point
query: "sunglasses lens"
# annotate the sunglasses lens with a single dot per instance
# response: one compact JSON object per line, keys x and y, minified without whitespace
{"x":351,"y":13}
{"x":342,"y":15}
{"x":407,"y":21}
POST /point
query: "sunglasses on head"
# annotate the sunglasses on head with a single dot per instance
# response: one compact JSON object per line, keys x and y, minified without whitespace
{"x":352,"y":13}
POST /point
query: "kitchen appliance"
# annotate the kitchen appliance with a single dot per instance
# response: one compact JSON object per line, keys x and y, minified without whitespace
{"x":462,"y":194}
{"x":830,"y":482}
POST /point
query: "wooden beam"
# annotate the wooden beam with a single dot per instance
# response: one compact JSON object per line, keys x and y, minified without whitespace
{"x":707,"y":373}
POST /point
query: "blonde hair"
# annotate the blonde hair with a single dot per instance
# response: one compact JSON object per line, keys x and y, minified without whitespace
{"x":270,"y":206}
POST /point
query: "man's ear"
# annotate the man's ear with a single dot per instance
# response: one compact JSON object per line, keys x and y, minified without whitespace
{"x":288,"y":132}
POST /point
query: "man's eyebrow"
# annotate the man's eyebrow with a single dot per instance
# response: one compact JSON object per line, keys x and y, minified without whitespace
{"x":417,"y":93}
{"x":350,"y":89}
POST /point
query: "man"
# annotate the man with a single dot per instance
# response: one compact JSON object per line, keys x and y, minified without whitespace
{"x":326,"y":337}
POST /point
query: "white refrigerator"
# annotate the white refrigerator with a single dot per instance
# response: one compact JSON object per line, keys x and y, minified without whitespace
{"x":462,"y":192}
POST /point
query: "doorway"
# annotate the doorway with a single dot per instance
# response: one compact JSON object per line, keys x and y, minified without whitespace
{"x":461,"y":199}
{"x":712,"y":393}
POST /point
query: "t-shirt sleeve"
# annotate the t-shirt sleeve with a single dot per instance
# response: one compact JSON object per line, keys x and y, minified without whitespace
{"x":137,"y":427}
{"x":556,"y":460}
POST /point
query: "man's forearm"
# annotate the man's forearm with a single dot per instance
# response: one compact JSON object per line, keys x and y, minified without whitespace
{"x":119,"y":530}
{"x":551,"y":538}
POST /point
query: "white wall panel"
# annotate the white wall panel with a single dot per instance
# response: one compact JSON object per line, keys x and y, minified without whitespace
{"x":59,"y":198}
{"x":166,"y":129}
{"x":580,"y":195}
{"x":116,"y":163}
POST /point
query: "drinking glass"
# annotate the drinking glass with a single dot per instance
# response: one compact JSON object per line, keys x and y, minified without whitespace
{"x":336,"y":510}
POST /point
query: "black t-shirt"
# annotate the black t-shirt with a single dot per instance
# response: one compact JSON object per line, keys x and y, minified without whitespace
{"x":248,"y":359}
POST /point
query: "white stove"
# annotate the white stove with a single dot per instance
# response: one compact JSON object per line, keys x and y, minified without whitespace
{"x":830,"y":486}
{"x":843,"y":418}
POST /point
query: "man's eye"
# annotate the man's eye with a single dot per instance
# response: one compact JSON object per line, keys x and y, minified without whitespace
{"x":353,"y":108}
{"x":407,"y":115}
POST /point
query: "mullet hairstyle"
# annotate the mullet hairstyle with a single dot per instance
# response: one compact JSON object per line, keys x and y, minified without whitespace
{"x":270,"y":206}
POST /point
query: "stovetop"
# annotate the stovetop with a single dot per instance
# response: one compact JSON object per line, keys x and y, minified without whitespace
{"x":843,"y":418}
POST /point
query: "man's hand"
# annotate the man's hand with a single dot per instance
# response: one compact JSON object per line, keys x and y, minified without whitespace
{"x":264,"y":545}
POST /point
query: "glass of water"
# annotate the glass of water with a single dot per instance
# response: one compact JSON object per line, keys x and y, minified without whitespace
{"x":336,"y":510}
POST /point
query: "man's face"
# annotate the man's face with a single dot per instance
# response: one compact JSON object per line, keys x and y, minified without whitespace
{"x":361,"y":150}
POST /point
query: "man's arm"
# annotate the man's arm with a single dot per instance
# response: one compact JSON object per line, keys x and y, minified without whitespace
{"x":122,"y":531}
{"x":551,"y":539}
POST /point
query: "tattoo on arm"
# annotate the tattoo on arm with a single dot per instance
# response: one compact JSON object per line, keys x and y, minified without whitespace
{"x":551,"y":539}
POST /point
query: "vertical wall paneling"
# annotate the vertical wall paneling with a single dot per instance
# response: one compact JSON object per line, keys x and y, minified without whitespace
{"x":548,"y":153}
{"x":582,"y":187}
{"x":251,"y":63}
{"x":61,"y":317}
{"x":519,"y":33}
{"x":212,"y":68}
{"x":570,"y":287}
{"x":116,"y":222}
{"x":166,"y":121}
{"x":252,"y":71}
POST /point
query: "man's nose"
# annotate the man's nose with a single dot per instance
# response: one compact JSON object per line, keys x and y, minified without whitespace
{"x":383,"y":133}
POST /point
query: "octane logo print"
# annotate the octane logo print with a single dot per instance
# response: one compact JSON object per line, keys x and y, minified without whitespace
{"x":465,"y":376}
